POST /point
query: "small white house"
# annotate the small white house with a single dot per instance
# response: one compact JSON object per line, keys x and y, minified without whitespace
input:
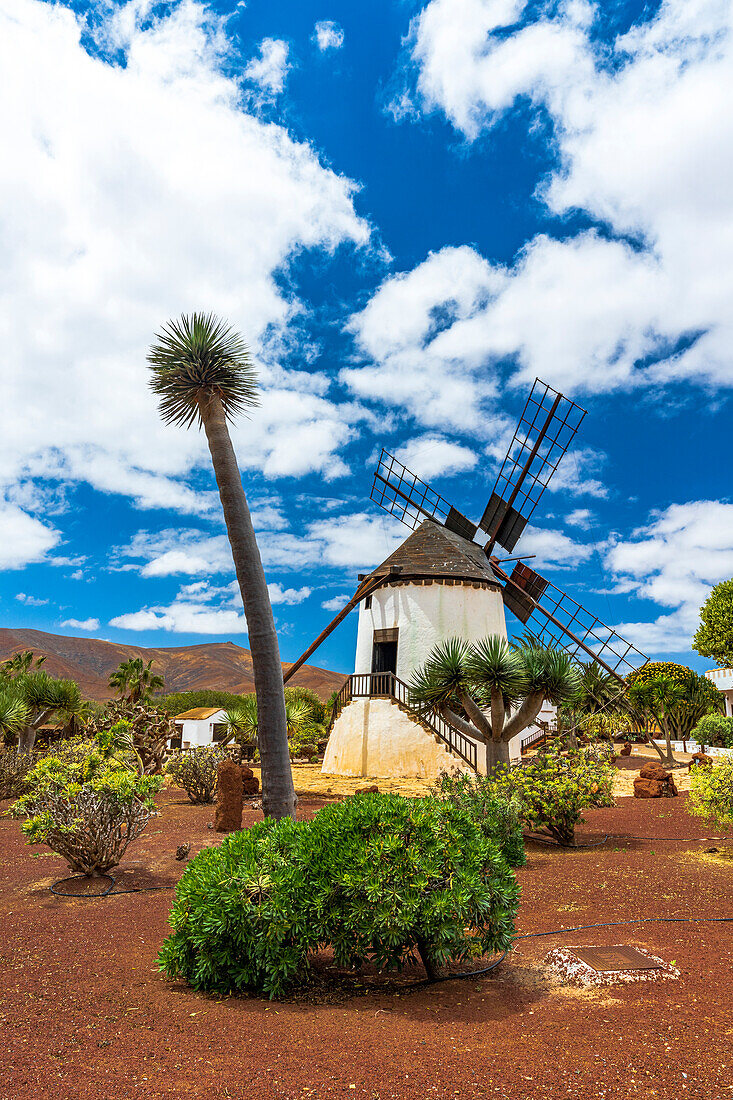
{"x":199,"y":726}
{"x":723,"y":680}
{"x":435,"y":586}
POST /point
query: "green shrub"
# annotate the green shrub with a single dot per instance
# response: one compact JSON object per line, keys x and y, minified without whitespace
{"x":308,"y":697}
{"x":378,"y":878}
{"x":176,"y":702}
{"x":14,"y":768}
{"x":195,"y":770}
{"x":553,"y":789}
{"x":711,"y":792}
{"x":599,"y":752}
{"x":714,"y":729}
{"x":497,"y":817}
{"x":86,"y":804}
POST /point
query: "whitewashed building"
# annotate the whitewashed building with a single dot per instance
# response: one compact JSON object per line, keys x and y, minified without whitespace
{"x":723,"y":680}
{"x":199,"y":726}
{"x":435,"y":586}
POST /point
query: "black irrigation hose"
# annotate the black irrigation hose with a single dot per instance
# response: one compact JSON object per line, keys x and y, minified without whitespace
{"x":552,"y":842}
{"x":105,"y":893}
{"x":564,"y":931}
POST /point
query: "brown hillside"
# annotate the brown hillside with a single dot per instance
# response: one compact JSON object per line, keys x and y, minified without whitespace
{"x":89,"y":661}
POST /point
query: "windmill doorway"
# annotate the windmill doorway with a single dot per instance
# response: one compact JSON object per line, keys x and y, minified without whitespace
{"x":384,"y":651}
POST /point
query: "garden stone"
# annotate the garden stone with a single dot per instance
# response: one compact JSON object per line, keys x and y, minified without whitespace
{"x":626,"y":750}
{"x":250,"y":782}
{"x":228,"y":818}
{"x":701,"y":759}
{"x":654,"y":781}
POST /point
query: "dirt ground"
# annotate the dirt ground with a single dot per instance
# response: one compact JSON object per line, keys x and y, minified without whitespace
{"x":311,"y":781}
{"x":85,"y":1014}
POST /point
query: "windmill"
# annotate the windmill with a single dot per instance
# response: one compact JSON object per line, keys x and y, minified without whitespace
{"x":448,"y":548}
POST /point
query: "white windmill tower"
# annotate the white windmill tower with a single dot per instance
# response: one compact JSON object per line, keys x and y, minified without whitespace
{"x":442,"y":583}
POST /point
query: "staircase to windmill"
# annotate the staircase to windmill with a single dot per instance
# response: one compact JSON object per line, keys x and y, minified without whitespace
{"x":385,"y":685}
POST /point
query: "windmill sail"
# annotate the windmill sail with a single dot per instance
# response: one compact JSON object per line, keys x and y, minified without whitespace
{"x":555,"y":618}
{"x":404,"y":495}
{"x":545,"y":430}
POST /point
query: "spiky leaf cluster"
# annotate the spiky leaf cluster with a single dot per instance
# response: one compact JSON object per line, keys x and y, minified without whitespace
{"x":194,"y":357}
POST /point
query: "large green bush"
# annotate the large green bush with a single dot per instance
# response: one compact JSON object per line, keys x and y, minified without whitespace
{"x":714,"y":729}
{"x":497,"y":817}
{"x":378,"y":878}
{"x":554,"y":787}
{"x":86,"y":803}
{"x":195,"y":770}
{"x":711,"y":792}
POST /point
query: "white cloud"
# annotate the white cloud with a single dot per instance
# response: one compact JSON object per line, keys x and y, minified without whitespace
{"x":574,"y":474}
{"x":552,"y":549}
{"x":25,"y":539}
{"x":339,"y":542}
{"x":30,"y":601}
{"x":674,"y":561}
{"x":183,"y":617}
{"x":278,"y":594}
{"x":644,"y":140}
{"x":82,"y":624}
{"x":328,"y":35}
{"x":337,"y":602}
{"x":434,"y":455}
{"x":110,"y":226}
{"x":580,"y":517}
{"x":269,"y":70}
{"x":410,"y":331}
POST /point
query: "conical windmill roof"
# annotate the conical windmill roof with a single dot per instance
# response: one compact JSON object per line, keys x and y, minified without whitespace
{"x":432,"y":551}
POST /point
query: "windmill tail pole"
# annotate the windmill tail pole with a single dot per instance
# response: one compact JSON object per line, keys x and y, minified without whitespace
{"x":363,"y":590}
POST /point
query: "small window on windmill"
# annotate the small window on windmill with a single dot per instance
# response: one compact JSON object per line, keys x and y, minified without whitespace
{"x":367,"y":602}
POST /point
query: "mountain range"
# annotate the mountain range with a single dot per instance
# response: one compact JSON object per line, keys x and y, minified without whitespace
{"x":89,"y":661}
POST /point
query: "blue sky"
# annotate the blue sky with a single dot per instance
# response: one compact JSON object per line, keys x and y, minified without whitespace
{"x":410,"y":210}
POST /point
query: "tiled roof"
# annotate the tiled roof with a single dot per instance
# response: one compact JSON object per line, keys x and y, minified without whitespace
{"x":434,"y":551}
{"x":198,"y":713}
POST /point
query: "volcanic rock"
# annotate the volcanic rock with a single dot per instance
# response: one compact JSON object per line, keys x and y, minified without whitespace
{"x":228,"y":816}
{"x":250,"y":782}
{"x":626,"y":750}
{"x":654,"y":781}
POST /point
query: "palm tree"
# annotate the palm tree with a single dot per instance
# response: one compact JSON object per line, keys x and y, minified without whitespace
{"x":44,"y":698}
{"x":499,"y":687}
{"x":20,"y":663}
{"x":660,"y":699}
{"x":241,"y":722}
{"x":134,"y":679}
{"x":203,"y":375}
{"x":14,"y":714}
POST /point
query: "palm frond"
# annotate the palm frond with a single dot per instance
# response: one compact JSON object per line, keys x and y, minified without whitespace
{"x":494,"y":664}
{"x":196,"y":356}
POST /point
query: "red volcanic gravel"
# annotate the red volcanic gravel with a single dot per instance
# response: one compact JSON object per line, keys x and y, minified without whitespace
{"x":85,"y":1013}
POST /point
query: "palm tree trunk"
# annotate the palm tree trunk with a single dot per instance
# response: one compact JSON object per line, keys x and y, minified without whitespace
{"x":278,"y":794}
{"x":497,"y":752}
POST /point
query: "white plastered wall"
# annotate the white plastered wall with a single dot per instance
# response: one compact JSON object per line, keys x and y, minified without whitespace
{"x":425,"y":615}
{"x":374,"y":737}
{"x":198,"y":731}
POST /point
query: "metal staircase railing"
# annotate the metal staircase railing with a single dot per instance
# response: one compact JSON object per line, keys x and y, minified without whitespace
{"x":385,"y":685}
